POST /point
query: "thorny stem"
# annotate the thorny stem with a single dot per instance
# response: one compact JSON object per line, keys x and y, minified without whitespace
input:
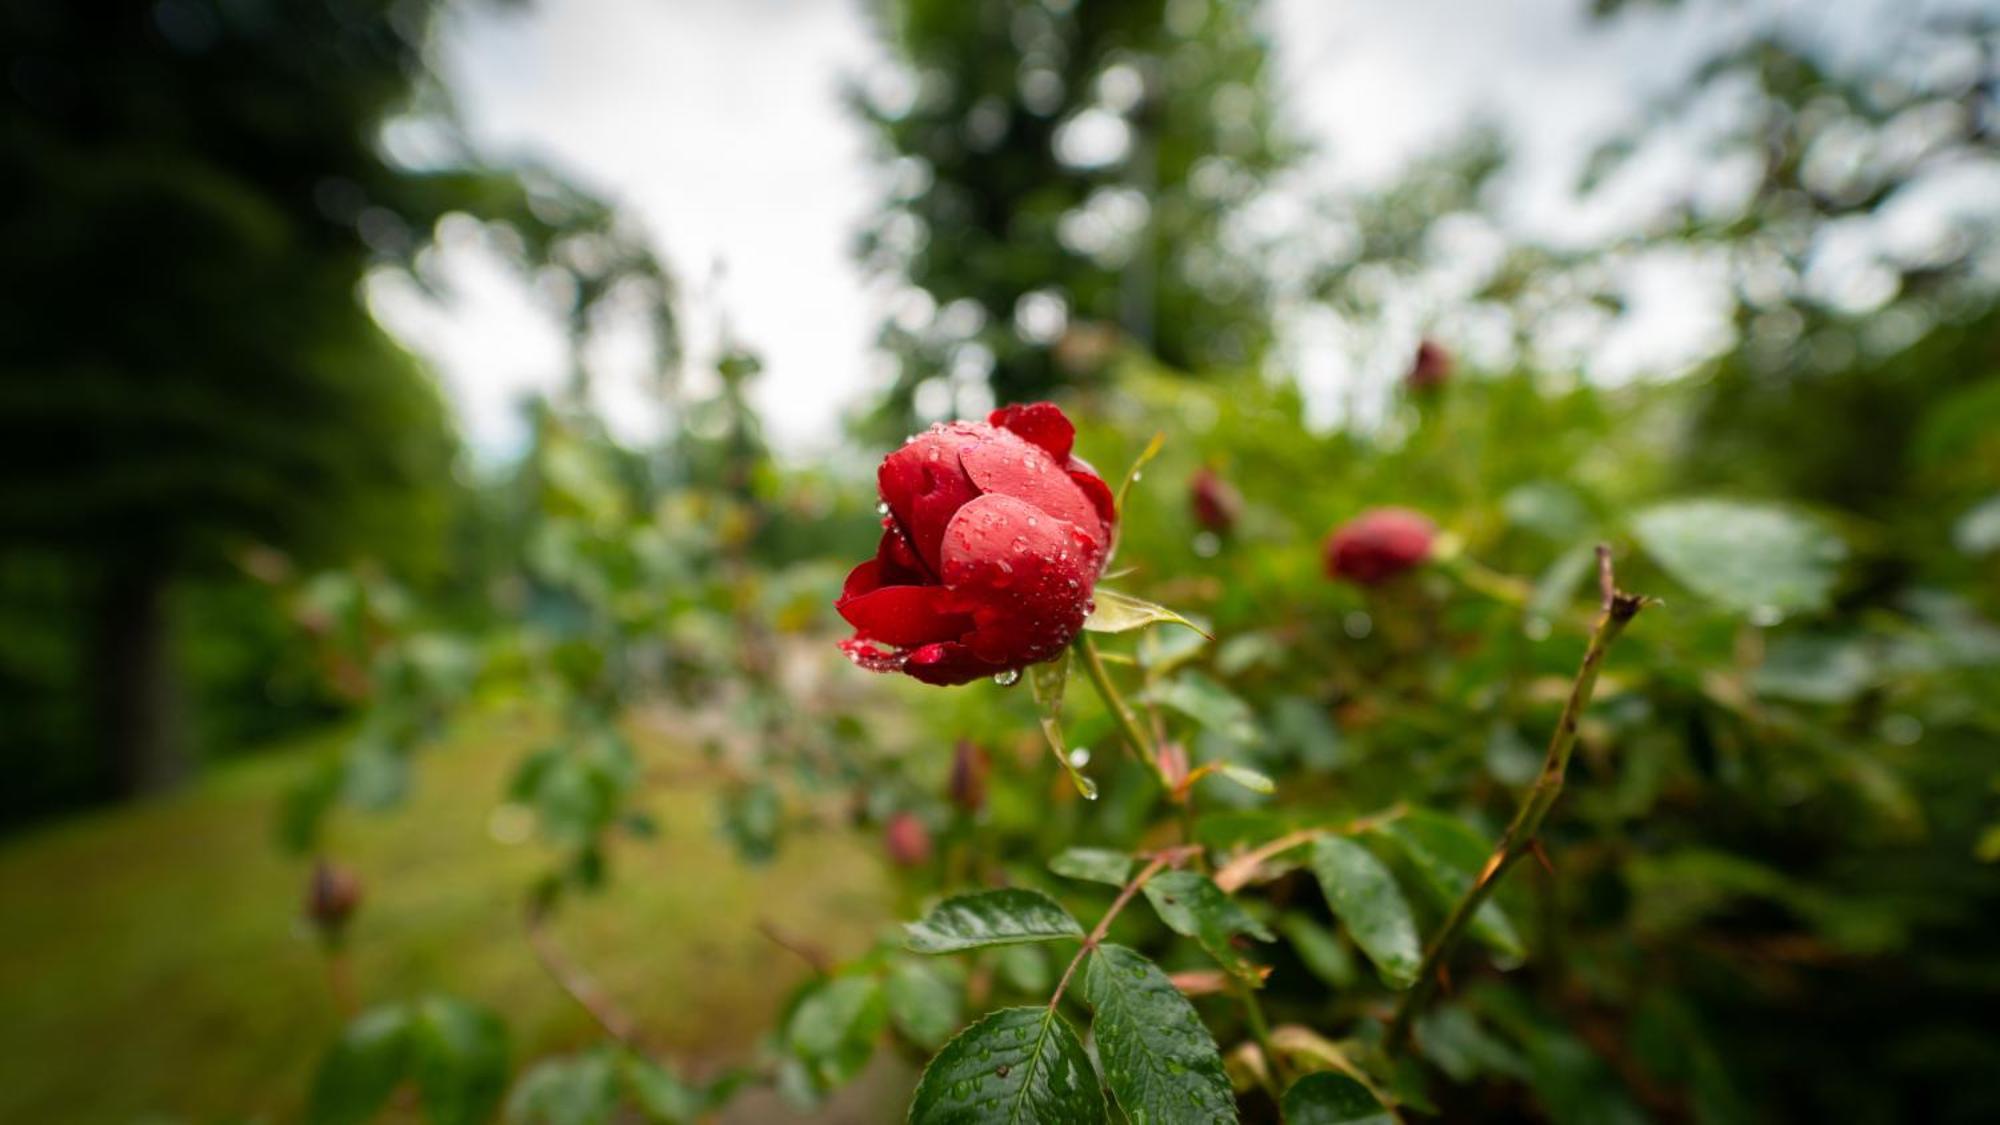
{"x":1615,"y":611}
{"x":1172,"y":857}
{"x":570,"y":977}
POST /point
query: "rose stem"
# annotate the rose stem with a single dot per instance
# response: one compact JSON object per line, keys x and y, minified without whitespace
{"x":1616,"y":610}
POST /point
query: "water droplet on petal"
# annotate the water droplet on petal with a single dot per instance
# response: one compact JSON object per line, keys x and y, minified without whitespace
{"x":882,"y":509}
{"x":1008,"y":678}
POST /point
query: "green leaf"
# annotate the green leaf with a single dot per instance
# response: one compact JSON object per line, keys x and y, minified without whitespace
{"x":1557,"y":585}
{"x":362,"y":1068}
{"x":460,"y":1052}
{"x":661,"y":1095}
{"x":1001,"y":917}
{"x":1025,"y":967}
{"x":834,"y":1027}
{"x":1113,"y":612}
{"x":1049,"y":679}
{"x":1322,"y":952}
{"x":1760,"y":559}
{"x":1448,"y":855}
{"x":1210,"y":704}
{"x":1021,"y":1066}
{"x":1098,"y":865}
{"x":1328,"y":1098}
{"x":1158,"y":1058}
{"x":1193,"y":906}
{"x":923,"y":1003}
{"x":1365,"y":898}
{"x":576,"y":1090}
{"x":1248,"y":778}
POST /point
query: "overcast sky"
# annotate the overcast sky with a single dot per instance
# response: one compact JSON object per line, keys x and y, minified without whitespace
{"x":719,"y":124}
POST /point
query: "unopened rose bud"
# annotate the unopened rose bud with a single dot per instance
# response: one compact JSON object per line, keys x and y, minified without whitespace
{"x":1215,"y":502}
{"x":1378,"y":545}
{"x":907,"y":841}
{"x":1431,"y":368}
{"x":969,"y":765}
{"x":332,"y":895}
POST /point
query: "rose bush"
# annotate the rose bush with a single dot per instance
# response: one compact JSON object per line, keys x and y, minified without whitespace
{"x":993,"y":537}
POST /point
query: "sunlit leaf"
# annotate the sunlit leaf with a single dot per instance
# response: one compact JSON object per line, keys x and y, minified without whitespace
{"x":1113,"y":612}
{"x":1366,"y":899}
{"x":1098,"y":865}
{"x":1000,"y":917}
{"x":1018,"y":1066}
{"x":1760,"y":559}
{"x":1210,"y":704}
{"x":1158,"y":1058}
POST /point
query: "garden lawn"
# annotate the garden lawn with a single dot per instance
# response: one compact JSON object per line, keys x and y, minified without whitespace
{"x":153,"y":965}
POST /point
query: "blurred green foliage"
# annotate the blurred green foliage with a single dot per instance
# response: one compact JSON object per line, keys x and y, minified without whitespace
{"x":1063,"y":175}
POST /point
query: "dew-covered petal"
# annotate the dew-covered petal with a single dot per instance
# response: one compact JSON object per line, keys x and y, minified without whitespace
{"x":1008,"y":466}
{"x":947,"y":664}
{"x":924,"y":484}
{"x":1039,"y":423}
{"x":905,"y":616}
{"x":1025,"y":577}
{"x":1098,"y":493}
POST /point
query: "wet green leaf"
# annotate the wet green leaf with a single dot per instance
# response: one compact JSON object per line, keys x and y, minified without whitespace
{"x":1366,"y":899}
{"x":1001,"y":917}
{"x":1018,"y":1066}
{"x":1158,"y":1058}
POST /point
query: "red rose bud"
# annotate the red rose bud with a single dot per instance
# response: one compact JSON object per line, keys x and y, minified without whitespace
{"x":1431,"y":368}
{"x":1379,"y":544}
{"x":332,"y":895}
{"x":907,"y":841}
{"x":993,"y":538}
{"x":969,"y":765}
{"x":1215,"y":502}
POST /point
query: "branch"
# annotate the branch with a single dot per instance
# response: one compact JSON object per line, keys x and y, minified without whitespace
{"x":1172,"y":857}
{"x":1616,"y":610}
{"x":1243,"y":868}
{"x":570,"y":977}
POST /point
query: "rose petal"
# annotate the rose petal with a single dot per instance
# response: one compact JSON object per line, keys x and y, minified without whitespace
{"x":1008,"y":466}
{"x":1026,"y":578}
{"x":924,"y":484}
{"x":863,"y":579}
{"x":1099,"y":495}
{"x":947,"y":664}
{"x":1040,"y":423}
{"x":905,"y":616}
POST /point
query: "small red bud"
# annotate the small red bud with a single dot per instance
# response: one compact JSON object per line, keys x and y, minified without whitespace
{"x":332,"y":895}
{"x":1378,"y":545}
{"x":969,"y":766}
{"x":1215,"y":502}
{"x":907,"y":841}
{"x":1431,"y":368}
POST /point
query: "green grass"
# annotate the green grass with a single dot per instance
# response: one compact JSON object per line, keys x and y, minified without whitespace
{"x":152,"y":960}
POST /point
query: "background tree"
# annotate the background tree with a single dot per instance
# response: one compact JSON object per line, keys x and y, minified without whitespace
{"x":1062,"y":173}
{"x":195,"y":193}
